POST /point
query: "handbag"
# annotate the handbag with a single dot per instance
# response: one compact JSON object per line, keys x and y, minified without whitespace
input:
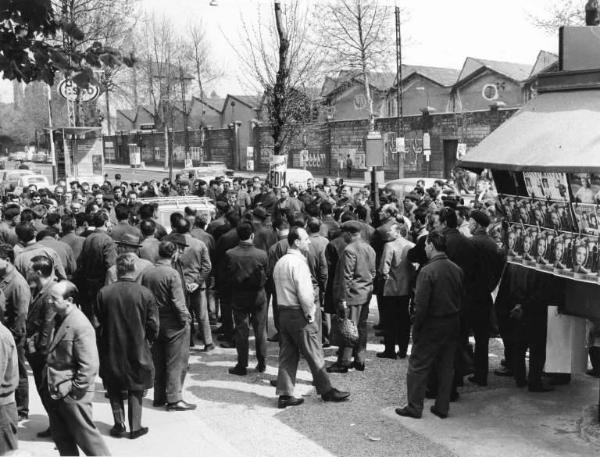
{"x":343,"y":332}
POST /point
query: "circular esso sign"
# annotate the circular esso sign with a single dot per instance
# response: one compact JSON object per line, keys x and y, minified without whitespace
{"x":72,"y":92}
{"x":490,"y":92}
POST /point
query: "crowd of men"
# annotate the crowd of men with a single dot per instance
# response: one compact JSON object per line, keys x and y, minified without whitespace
{"x":91,"y":283}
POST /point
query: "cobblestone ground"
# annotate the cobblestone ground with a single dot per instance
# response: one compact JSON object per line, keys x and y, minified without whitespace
{"x":238,"y":415}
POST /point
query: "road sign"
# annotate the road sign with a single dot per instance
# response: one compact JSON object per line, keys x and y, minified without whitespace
{"x":147,"y":127}
{"x":72,"y":92}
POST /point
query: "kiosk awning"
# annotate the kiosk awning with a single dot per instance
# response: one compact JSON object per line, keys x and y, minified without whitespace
{"x":557,"y":131}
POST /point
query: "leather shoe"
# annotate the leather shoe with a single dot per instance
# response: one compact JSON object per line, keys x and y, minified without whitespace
{"x":208,"y":347}
{"x":261,"y":367}
{"x":136,"y":434}
{"x":407,"y":412}
{"x":358,"y":366}
{"x":228,"y":345}
{"x":285,"y":401}
{"x":238,"y":370}
{"x":180,"y":406}
{"x":503,"y":372}
{"x":158,"y":403}
{"x":437,"y":413}
{"x":594,"y":373}
{"x":386,"y":355}
{"x":335,"y":368}
{"x":224,"y":337}
{"x":335,"y":395}
{"x":476,"y":380}
{"x":274,"y":338}
{"x":273,"y":382}
{"x":541,"y":388}
{"x":118,"y":430}
{"x":401,"y":354}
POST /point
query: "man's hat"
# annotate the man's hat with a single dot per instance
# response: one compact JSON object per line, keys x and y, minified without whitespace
{"x":129,"y":239}
{"x":260,"y":213}
{"x":480,"y":217}
{"x":351,"y":227}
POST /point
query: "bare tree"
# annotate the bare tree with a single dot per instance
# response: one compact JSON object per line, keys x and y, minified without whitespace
{"x":197,"y":56}
{"x":282,"y":63}
{"x":559,"y":13}
{"x":357,"y":36}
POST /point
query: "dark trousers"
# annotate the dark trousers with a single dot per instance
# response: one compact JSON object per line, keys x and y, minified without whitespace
{"x":226,"y":313}
{"x":479,"y":320}
{"x":134,"y":407}
{"x":396,"y":324}
{"x":250,"y":309}
{"x":8,"y":428}
{"x":37,"y":363}
{"x":594,"y":353}
{"x":297,"y":336}
{"x":508,"y":332}
{"x":531,"y":333}
{"x":22,"y":392}
{"x":359,"y":315}
{"x":72,"y":426}
{"x":170,"y":354}
{"x":435,"y":346}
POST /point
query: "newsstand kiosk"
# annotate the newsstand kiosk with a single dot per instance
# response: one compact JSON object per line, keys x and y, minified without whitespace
{"x":545,"y":161}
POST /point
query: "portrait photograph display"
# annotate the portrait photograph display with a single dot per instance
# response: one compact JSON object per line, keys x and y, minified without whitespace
{"x":587,"y":218}
{"x":544,"y":185}
{"x":550,"y":214}
{"x":585,"y":187}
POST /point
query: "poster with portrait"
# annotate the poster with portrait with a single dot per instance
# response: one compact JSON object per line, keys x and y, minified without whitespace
{"x":585,"y":258}
{"x":546,"y":185}
{"x":585,"y":187}
{"x":548,"y":214}
{"x":587,"y":218}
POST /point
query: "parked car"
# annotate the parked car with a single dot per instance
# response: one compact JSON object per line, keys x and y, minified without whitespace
{"x":40,"y":181}
{"x":10,"y":178}
{"x":207,"y":171}
{"x":404,"y":186}
{"x":170,"y":205}
{"x":296,"y":176}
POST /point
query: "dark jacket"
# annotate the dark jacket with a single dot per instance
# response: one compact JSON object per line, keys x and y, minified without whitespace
{"x":166,"y":285}
{"x":226,"y":242}
{"x":40,"y":323}
{"x":333,"y":254}
{"x":75,"y":242}
{"x":128,"y":319}
{"x":246,"y":268}
{"x":439,"y":291}
{"x":489,"y":261}
{"x":98,"y":254}
{"x":264,"y":237}
{"x":17,"y":296}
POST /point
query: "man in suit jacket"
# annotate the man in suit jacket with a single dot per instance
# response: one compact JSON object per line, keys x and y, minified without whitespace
{"x":9,"y":380}
{"x":357,"y":275}
{"x":128,"y":320}
{"x":72,"y":366}
{"x":98,"y":254}
{"x":171,"y":350}
{"x":40,"y":325}
{"x":438,"y":299}
{"x":246,"y":273}
{"x":487,"y":270}
{"x":396,"y":272}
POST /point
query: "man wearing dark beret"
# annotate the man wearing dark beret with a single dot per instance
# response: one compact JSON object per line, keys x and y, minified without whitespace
{"x":488,"y":265}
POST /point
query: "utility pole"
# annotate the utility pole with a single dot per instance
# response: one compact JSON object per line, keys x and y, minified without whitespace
{"x":51,"y":135}
{"x":186,"y":136}
{"x":399,"y":88}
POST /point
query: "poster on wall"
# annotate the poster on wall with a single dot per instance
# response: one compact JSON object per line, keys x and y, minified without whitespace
{"x":587,"y":217}
{"x":545,"y":185}
{"x":510,"y":182}
{"x":585,"y":187}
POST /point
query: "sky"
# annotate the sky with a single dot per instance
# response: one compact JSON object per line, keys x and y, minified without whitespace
{"x":438,"y":33}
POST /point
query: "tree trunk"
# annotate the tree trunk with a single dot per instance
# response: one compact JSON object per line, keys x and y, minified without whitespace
{"x":278,"y":95}
{"x":108,"y":126}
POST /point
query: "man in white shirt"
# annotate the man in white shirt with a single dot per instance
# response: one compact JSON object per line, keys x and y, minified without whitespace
{"x":298,"y":330}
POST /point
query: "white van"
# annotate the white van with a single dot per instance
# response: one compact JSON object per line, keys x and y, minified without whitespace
{"x":297,"y":176}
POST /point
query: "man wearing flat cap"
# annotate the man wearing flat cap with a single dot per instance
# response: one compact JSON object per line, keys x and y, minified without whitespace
{"x":354,"y":275}
{"x":488,"y":265}
{"x":128,"y":243}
